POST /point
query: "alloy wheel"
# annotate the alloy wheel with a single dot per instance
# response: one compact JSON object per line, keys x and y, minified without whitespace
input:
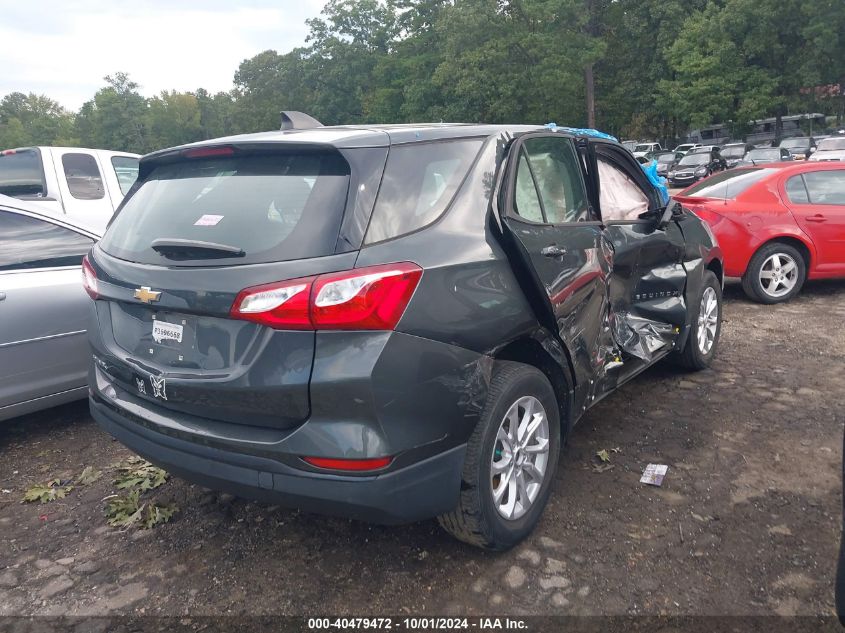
{"x":778,"y":275}
{"x":520,"y":458}
{"x":708,"y":320}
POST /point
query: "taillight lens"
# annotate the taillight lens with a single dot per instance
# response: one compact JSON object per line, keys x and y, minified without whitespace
{"x":372,"y":298}
{"x":357,"y":465}
{"x":89,"y":278}
{"x":365,"y":299}
{"x":283,"y":305}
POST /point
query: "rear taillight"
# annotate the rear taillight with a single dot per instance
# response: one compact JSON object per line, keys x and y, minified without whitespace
{"x":89,"y":278}
{"x":284,"y":305}
{"x":357,"y":465}
{"x":372,"y":298}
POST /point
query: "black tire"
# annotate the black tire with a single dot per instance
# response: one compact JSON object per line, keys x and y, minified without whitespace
{"x":692,"y":357}
{"x":751,"y":283}
{"x":476,"y":520}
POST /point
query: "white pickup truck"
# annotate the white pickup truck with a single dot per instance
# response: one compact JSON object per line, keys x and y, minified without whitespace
{"x":84,"y":184}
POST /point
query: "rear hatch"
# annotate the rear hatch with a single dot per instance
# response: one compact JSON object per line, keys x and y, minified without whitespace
{"x":198,"y":230}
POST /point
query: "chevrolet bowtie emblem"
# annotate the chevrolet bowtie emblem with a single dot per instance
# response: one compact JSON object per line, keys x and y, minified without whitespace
{"x":146,"y":294}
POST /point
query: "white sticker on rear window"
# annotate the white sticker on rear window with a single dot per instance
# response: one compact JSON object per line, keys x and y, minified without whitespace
{"x":208,"y":220}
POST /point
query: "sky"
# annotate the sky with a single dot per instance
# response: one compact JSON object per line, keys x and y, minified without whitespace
{"x":64,"y":48}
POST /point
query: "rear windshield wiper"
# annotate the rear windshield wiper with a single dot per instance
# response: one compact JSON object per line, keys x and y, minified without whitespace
{"x":174,"y":248}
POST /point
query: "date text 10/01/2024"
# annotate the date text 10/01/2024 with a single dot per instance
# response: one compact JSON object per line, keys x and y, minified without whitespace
{"x":417,"y":624}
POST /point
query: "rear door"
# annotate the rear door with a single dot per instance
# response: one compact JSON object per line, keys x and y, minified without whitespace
{"x":563,"y":255}
{"x":43,"y":308}
{"x":83,"y":189}
{"x":647,"y":284}
{"x":817,"y":200}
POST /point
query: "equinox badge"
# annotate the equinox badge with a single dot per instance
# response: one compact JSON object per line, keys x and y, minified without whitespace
{"x":146,"y":294}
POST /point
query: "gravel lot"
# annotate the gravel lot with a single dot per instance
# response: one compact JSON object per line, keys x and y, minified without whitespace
{"x":746,"y":522}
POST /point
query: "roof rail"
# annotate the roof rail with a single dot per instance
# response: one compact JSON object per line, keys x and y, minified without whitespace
{"x":293,"y":120}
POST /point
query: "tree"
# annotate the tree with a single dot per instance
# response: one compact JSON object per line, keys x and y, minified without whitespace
{"x":30,"y":119}
{"x":114,"y":118}
{"x":743,"y":60}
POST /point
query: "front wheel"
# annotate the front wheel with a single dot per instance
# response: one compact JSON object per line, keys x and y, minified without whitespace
{"x":775,"y":273}
{"x":510,"y":461}
{"x":706,"y":327}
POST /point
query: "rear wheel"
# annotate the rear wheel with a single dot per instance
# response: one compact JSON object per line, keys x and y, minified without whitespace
{"x":775,"y":273}
{"x":703,"y":338}
{"x":510,"y":461}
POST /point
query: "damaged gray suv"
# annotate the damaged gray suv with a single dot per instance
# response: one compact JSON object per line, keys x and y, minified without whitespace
{"x":390,"y":323}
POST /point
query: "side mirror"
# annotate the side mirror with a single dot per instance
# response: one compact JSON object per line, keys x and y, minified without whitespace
{"x":663,"y":216}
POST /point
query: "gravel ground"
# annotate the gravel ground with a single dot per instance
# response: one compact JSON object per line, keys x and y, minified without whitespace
{"x":746,"y":521}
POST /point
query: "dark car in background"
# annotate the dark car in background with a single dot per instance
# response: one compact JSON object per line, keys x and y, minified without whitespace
{"x":691,"y":168}
{"x":665,"y":161}
{"x":735,"y":152}
{"x":764,"y":155}
{"x":389,"y":322}
{"x":801,"y":147}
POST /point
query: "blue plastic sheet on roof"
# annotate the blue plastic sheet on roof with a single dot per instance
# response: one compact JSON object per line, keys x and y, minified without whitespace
{"x":658,"y":181}
{"x":581,"y":131}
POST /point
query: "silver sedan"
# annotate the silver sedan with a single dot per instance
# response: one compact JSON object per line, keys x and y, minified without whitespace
{"x":43,"y":308}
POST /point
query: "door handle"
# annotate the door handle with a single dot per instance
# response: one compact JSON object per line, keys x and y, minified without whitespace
{"x":816,"y":218}
{"x":553,"y":250}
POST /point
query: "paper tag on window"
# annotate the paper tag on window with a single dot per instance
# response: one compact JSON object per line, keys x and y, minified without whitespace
{"x":208,"y":220}
{"x":654,"y":474}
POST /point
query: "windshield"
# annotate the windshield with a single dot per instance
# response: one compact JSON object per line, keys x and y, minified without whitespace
{"x":795,"y":143}
{"x":728,"y":184}
{"x":828,"y":144}
{"x":737,"y":151}
{"x":694,"y":159}
{"x":763,"y":154}
{"x":21,"y":173}
{"x":644,"y":147}
{"x":273,"y":207}
{"x":666,"y":158}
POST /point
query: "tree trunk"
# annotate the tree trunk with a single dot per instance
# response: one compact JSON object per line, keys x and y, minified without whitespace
{"x":589,"y":82}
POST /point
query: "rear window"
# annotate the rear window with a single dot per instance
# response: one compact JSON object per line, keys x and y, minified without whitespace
{"x":419,"y":182}
{"x":272,"y":207}
{"x":728,"y":184}
{"x":83,"y":176}
{"x":126,"y":171}
{"x":21,"y":173}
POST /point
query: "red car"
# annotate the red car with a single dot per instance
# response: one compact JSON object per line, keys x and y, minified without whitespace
{"x":778,"y":224}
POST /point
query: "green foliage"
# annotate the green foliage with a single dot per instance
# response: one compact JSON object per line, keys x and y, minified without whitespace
{"x":138,"y":473}
{"x":88,"y":476}
{"x":44,"y":493}
{"x":129,"y":511}
{"x":660,"y":66}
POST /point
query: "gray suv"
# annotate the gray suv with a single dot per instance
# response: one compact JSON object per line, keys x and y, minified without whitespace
{"x":389,"y":322}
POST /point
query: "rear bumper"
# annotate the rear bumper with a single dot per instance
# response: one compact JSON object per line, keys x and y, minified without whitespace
{"x":418,"y":491}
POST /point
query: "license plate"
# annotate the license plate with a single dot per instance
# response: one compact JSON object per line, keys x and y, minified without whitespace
{"x":163,"y":331}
